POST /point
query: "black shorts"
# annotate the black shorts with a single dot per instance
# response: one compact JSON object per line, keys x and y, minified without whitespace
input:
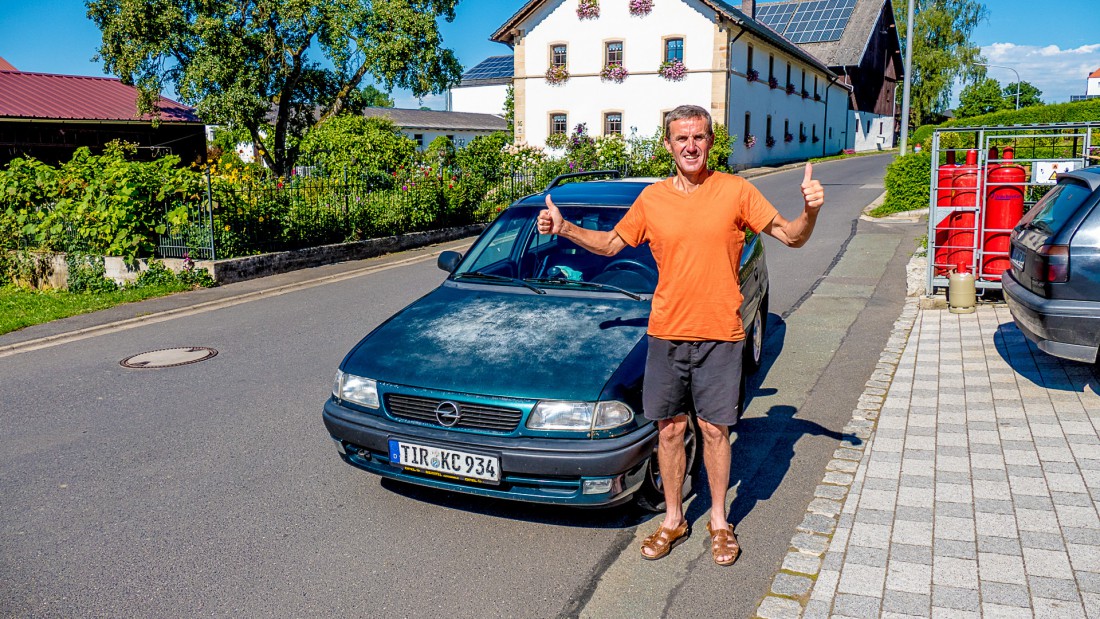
{"x":680,"y":375}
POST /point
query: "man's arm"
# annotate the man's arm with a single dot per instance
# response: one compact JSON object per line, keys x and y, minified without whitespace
{"x":795,"y":233}
{"x":606,"y":243}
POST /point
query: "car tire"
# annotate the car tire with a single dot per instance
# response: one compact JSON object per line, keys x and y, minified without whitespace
{"x":650,"y":497}
{"x":754,"y":338}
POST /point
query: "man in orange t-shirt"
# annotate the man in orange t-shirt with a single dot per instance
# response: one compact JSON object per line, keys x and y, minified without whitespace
{"x":693,"y":222}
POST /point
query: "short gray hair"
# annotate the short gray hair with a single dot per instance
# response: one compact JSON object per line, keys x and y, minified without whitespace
{"x":688,"y":111}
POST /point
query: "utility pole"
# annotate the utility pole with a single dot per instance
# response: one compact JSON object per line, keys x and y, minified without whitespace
{"x":908,"y":73}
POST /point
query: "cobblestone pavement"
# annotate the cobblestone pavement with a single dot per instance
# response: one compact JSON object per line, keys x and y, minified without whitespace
{"x":974,"y":491}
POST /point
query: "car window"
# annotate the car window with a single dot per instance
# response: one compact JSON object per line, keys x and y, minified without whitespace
{"x":1057,"y":206}
{"x":513,"y":248}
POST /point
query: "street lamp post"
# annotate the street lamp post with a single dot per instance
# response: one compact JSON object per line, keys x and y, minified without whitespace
{"x":997,"y":66}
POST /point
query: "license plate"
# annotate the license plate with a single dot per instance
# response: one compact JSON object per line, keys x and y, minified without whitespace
{"x":445,"y":463}
{"x":1016,"y":257}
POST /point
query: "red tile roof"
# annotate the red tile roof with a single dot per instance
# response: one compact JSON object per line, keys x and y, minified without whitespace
{"x":6,"y":66}
{"x":71,"y":97}
{"x":1095,"y":73}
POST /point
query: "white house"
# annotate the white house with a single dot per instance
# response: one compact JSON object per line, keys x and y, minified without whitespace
{"x":1093,"y":88}
{"x":751,"y":79}
{"x":423,"y":126}
{"x":484,"y":88}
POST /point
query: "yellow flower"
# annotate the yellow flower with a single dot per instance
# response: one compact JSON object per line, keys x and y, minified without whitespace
{"x":227,"y":227}
{"x":261,"y":218}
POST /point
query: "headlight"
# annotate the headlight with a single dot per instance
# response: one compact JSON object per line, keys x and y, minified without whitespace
{"x":355,"y":389}
{"x":585,"y":416}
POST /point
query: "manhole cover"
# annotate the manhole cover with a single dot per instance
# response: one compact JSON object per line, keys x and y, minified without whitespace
{"x":168,"y":357}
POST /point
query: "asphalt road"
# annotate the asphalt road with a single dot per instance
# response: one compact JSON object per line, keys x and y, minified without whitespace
{"x":213,"y":489}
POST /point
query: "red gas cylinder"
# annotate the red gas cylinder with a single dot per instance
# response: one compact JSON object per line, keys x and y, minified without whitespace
{"x":1004,"y":207}
{"x":960,"y":239}
{"x":945,"y":178}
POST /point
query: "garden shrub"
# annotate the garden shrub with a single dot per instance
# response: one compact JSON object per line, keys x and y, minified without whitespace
{"x":87,"y":274}
{"x":1077,"y":111}
{"x":908,"y":181}
{"x":349,"y":145}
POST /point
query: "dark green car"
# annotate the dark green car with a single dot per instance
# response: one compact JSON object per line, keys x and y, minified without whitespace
{"x":520,"y":376}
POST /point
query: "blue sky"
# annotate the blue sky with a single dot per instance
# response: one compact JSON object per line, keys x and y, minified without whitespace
{"x":1053,"y":45}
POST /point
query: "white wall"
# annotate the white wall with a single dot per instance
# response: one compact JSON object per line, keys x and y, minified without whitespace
{"x":643,"y":96}
{"x":460,"y":138}
{"x":1093,"y":87}
{"x":480,"y":99}
{"x":879,"y":137}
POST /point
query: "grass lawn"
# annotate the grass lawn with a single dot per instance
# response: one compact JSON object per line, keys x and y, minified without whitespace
{"x":22,"y":308}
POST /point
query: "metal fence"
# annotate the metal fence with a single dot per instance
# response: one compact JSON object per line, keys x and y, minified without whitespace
{"x":983,"y":180}
{"x":309,"y":210}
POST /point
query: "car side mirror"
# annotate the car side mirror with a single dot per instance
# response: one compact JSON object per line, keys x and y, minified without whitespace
{"x":448,"y":260}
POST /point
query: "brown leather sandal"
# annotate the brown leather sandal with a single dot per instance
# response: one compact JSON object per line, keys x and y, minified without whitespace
{"x":724,"y":542}
{"x":663,"y":541}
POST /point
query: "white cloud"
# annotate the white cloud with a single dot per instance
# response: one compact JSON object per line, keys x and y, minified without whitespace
{"x":1057,"y":72}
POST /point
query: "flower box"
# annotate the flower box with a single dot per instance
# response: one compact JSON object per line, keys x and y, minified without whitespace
{"x":614,"y":72}
{"x":557,"y":74}
{"x":790,"y":89}
{"x":672,"y":70}
{"x":773,"y":83}
{"x":753,"y":75}
{"x":750,"y":140}
{"x":769,"y":141}
{"x":588,"y":9}
{"x":641,"y":7}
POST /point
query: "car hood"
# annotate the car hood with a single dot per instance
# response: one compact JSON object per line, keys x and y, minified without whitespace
{"x":504,"y":343}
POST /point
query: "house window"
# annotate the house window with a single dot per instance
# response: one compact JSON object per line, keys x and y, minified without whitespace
{"x":869,"y":121}
{"x":786,"y":128}
{"x":748,"y":64}
{"x":803,"y":80}
{"x":813,"y":129}
{"x":771,"y":67}
{"x":830,"y":133}
{"x":674,"y":49}
{"x":815,"y":85}
{"x":558,"y":124}
{"x":450,"y":138}
{"x":419,"y":137}
{"x":788,"y":73}
{"x":614,"y":53}
{"x":558,"y":55}
{"x":748,"y":125}
{"x":613,"y":123}
{"x":768,"y":129}
{"x":801,"y":132}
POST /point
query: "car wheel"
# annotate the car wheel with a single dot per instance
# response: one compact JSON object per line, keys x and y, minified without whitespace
{"x":754,"y":341}
{"x":651,"y":496}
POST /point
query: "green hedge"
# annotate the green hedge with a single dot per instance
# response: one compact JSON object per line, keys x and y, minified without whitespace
{"x":908,"y":182}
{"x":1078,"y":111}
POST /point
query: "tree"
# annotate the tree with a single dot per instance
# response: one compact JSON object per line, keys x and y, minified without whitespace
{"x":355,"y":145}
{"x":1029,"y":94}
{"x":942,"y":51}
{"x":982,"y":97}
{"x":250,"y":64}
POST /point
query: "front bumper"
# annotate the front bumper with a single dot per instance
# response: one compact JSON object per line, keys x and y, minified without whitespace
{"x":540,"y":470}
{"x":1066,"y":329}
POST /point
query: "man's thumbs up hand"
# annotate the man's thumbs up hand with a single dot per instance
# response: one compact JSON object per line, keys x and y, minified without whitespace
{"x":550,"y":220}
{"x":812,"y":191}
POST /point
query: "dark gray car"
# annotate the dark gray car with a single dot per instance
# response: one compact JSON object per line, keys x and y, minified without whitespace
{"x":1053,"y":285}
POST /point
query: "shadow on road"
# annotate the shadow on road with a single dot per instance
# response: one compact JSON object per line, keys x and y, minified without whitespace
{"x":1034,"y":365}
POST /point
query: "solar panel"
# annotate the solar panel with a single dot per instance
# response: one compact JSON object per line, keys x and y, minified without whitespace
{"x":815,"y":21}
{"x":494,"y":67}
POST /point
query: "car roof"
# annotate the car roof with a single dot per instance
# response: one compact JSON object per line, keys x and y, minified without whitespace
{"x":1090,"y":176}
{"x":620,"y":192}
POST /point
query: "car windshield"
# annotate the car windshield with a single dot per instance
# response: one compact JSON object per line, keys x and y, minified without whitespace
{"x":1056,"y":207}
{"x":513,"y":252}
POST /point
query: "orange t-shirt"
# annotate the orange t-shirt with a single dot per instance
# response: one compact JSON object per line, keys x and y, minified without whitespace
{"x":696,"y":240}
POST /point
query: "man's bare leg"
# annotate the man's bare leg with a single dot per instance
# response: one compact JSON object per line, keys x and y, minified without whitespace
{"x":716,"y":457}
{"x":672,"y":462}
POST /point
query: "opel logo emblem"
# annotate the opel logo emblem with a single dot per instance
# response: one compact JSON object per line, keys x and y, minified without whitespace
{"x":447,"y":413}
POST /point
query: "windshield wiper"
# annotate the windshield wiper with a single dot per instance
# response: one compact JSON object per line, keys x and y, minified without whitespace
{"x":499,"y":278}
{"x":598,"y":286}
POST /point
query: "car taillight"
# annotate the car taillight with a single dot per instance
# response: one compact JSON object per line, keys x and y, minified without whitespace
{"x":1055,"y":263}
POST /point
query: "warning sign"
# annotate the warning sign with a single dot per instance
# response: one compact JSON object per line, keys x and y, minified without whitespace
{"x":1046,"y":172}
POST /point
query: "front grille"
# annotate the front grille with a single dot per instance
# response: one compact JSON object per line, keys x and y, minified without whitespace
{"x":472,"y":416}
